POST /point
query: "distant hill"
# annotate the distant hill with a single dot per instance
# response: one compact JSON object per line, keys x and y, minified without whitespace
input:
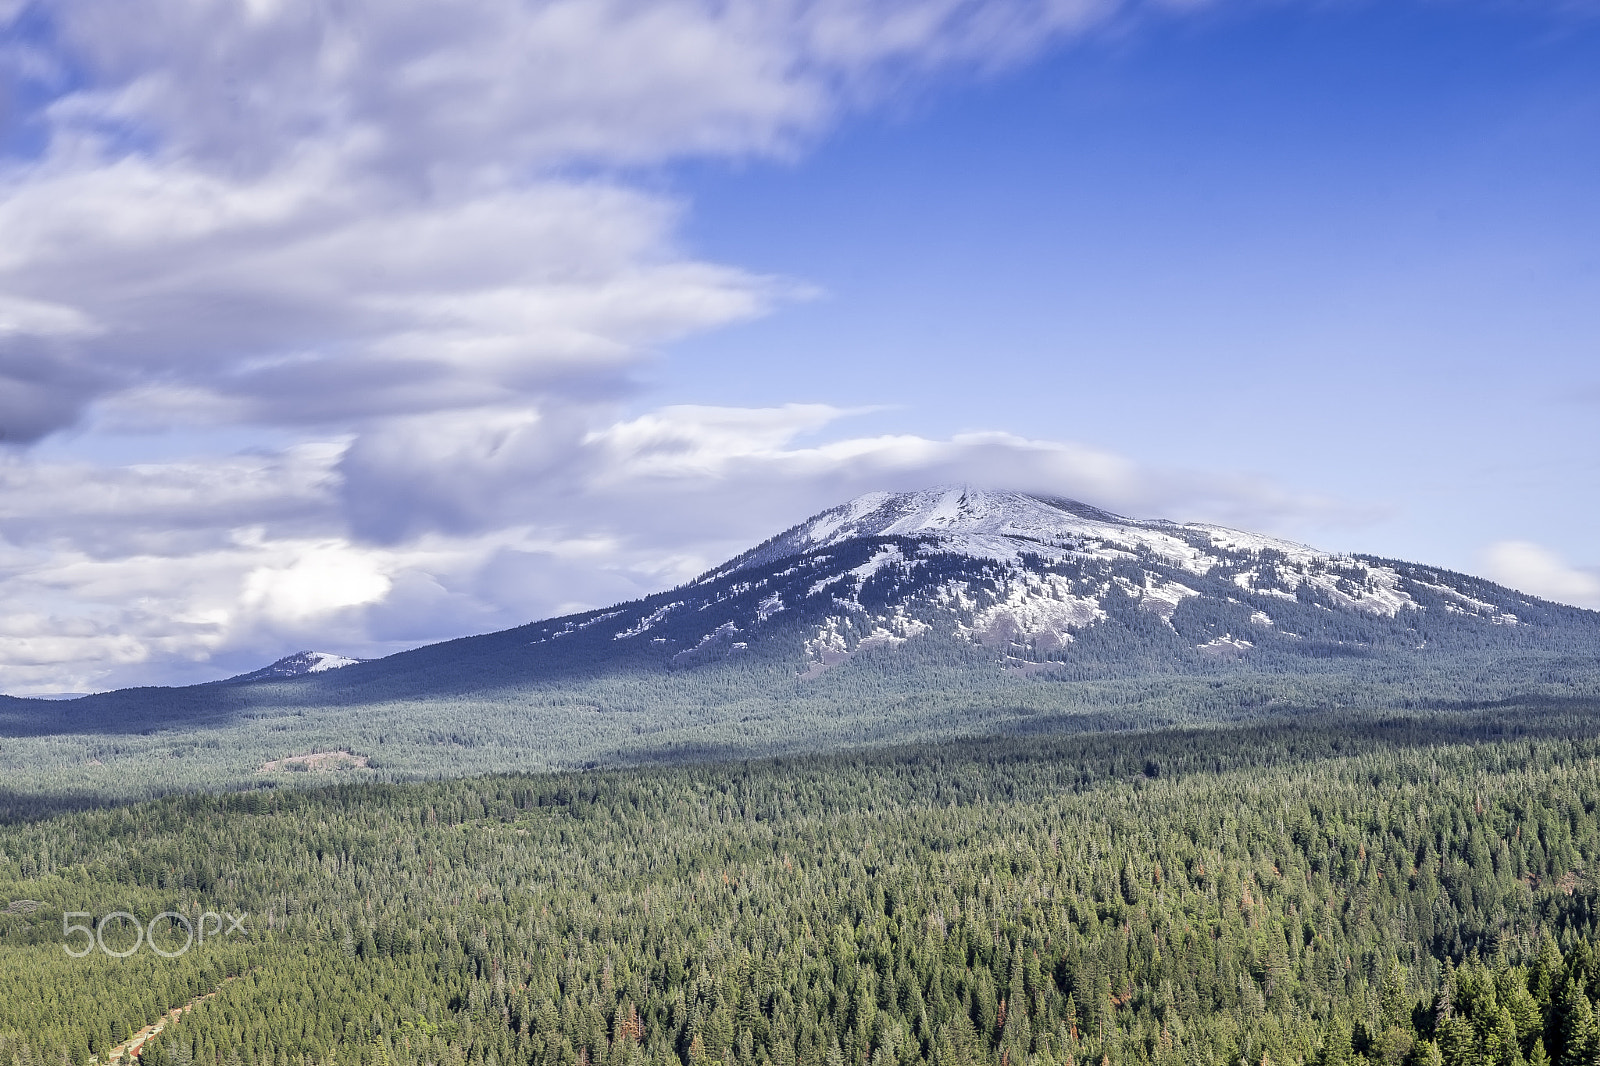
{"x":297,"y":665}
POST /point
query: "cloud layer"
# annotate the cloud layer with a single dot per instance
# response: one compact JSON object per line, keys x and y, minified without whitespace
{"x":290,"y":211}
{"x":1532,"y":568}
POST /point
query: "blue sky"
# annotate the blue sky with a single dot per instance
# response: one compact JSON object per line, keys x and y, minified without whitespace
{"x":1353,"y":249}
{"x":358,"y":330}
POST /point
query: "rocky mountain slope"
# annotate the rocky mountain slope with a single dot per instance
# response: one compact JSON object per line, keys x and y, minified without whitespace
{"x":1043,"y":582}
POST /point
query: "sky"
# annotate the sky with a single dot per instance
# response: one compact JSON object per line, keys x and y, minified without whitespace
{"x":358,"y":325}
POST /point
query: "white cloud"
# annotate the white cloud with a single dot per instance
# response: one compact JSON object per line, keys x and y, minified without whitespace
{"x":434,"y":86}
{"x":291,"y":212}
{"x":1537,"y":570}
{"x":36,"y":317}
{"x":305,"y":297}
{"x":323,"y":578}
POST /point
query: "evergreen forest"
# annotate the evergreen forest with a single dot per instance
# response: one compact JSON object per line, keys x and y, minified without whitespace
{"x":1327,"y":889}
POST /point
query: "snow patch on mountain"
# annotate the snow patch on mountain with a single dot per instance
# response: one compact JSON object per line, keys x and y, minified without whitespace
{"x":1459,"y":602}
{"x":840,"y":637}
{"x":322,"y":660}
{"x":769,"y":607}
{"x":1032,"y":607}
{"x":1163,"y":597}
{"x":576,"y":625}
{"x":299,"y":664}
{"x":884,"y":557}
{"x":1226,"y":646}
{"x":650,"y":621}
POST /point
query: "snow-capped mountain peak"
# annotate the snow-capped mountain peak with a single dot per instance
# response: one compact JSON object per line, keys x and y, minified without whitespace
{"x":1005,"y":526}
{"x":298,"y":665}
{"x":1039,"y":579}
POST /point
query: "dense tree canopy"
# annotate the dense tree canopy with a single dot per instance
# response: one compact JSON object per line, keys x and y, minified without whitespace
{"x":1325,"y":891}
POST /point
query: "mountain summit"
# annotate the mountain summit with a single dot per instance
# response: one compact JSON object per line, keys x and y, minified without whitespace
{"x":997,"y":525}
{"x":299,"y":664}
{"x":1045,"y":581}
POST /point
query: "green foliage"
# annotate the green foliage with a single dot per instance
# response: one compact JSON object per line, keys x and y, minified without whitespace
{"x":918,"y":692}
{"x":1403,"y":892}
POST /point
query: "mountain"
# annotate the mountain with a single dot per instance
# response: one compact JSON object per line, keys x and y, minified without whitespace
{"x":297,"y":665}
{"x":891,"y":618}
{"x":1046,"y":582}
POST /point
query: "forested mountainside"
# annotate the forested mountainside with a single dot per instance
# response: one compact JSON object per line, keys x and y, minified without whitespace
{"x":895,"y":618}
{"x":1331,"y":890}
